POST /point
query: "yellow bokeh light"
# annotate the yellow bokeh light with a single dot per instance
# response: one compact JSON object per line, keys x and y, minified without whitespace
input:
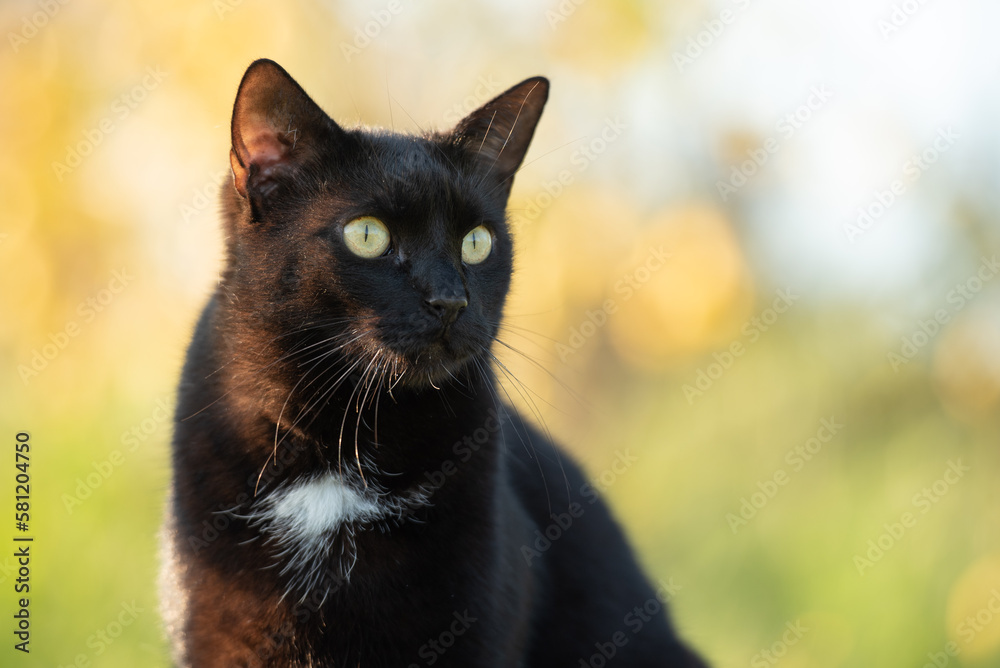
{"x":973,"y":618}
{"x":26,"y":308}
{"x":689,"y":303}
{"x":967,"y":367}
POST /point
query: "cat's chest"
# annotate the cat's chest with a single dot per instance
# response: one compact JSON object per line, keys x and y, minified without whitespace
{"x":307,"y":509}
{"x":311,"y":524}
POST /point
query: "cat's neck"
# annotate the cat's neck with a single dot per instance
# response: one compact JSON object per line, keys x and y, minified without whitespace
{"x":365,"y":422}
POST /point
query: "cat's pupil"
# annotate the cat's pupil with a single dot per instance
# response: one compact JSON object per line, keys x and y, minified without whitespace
{"x":473,"y":239}
{"x":366,"y":232}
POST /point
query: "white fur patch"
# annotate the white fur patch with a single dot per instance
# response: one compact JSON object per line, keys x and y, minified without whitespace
{"x":307,"y":510}
{"x":313,"y":518}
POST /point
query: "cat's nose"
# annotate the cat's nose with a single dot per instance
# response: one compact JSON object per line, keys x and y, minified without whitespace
{"x":446,"y":308}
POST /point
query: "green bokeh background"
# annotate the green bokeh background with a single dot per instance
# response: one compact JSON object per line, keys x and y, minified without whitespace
{"x":143,"y":202}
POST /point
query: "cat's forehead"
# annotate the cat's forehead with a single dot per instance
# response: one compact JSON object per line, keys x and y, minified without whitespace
{"x":415,"y":175}
{"x":412,"y":158}
{"x":415,"y":184}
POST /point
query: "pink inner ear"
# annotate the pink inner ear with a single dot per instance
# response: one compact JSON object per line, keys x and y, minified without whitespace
{"x":264,"y":149}
{"x":259,"y":145}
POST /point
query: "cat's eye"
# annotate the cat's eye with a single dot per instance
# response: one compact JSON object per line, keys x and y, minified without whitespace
{"x":366,"y":237}
{"x":476,"y":245}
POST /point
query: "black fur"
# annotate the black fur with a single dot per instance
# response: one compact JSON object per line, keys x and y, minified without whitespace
{"x":309,"y":359}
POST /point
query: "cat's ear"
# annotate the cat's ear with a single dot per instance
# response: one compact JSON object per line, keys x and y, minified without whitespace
{"x":499,"y":132}
{"x":276,"y":128}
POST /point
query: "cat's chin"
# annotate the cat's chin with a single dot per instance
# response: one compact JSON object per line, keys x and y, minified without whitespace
{"x":434,"y":374}
{"x":434,"y":368}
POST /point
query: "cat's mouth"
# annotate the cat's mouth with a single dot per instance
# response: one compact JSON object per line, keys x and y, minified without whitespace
{"x":416,"y":355}
{"x":430,"y":360}
{"x":436,"y":364}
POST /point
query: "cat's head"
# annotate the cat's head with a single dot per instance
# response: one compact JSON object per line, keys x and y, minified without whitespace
{"x":392,"y":249}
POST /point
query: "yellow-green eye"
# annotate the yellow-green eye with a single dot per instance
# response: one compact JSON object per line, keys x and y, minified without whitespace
{"x":366,"y":236}
{"x":476,"y":245}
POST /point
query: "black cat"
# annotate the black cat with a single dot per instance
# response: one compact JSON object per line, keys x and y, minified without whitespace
{"x":348,"y":488}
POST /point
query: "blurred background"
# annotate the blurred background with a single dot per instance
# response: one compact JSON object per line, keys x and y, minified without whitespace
{"x":756,"y":290}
